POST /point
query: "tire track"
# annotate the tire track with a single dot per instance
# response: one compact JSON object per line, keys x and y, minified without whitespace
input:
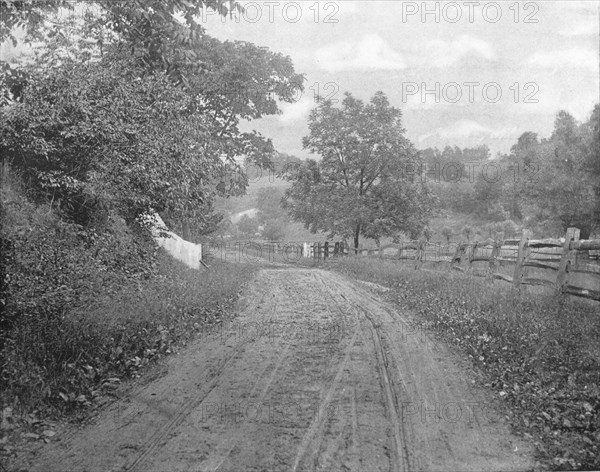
{"x":400,"y":456}
{"x":315,"y":432}
{"x":150,"y":446}
{"x":265,"y":380}
{"x":282,"y":356}
{"x":353,"y":382}
{"x":233,"y":440}
{"x":163,"y":432}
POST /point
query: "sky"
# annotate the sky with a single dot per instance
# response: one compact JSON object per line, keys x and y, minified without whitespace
{"x":463,"y":73}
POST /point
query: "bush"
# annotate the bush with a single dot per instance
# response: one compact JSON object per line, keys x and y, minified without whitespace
{"x":86,"y":307}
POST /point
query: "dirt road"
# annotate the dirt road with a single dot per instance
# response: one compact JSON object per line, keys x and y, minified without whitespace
{"x":316,"y":373}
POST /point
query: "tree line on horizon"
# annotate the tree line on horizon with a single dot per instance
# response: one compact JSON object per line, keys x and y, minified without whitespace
{"x":361,"y":186}
{"x":130,"y":117}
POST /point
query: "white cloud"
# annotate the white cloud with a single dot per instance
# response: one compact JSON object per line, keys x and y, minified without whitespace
{"x":468,"y":130}
{"x":463,"y":129}
{"x":418,"y":102}
{"x":369,"y":53}
{"x":440,"y":53}
{"x":348,"y":6}
{"x":575,"y":57}
{"x":587,"y":27}
{"x":584,"y":7}
{"x":298,"y":111}
{"x":578,"y":99}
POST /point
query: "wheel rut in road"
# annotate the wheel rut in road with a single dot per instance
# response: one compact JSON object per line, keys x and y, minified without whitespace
{"x":316,"y":373}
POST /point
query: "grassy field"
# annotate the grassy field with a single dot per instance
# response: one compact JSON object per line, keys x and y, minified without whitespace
{"x":540,"y":354}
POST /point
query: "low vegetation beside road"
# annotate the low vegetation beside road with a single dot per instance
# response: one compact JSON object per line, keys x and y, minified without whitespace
{"x":85,"y":310}
{"x":538,"y":353}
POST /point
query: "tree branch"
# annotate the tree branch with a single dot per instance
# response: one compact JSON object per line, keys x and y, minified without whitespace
{"x":341,"y":159}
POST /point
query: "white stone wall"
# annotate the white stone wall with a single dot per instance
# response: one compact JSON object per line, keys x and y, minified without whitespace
{"x":182,"y":250}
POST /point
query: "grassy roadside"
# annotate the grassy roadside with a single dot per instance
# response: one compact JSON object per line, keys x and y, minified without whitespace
{"x":540,"y":354}
{"x":73,"y":356}
{"x":59,"y":367}
{"x":84,"y":309}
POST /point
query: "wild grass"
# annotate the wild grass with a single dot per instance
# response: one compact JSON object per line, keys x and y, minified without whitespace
{"x":538,"y":352}
{"x":86,"y":308}
{"x":59,"y":363}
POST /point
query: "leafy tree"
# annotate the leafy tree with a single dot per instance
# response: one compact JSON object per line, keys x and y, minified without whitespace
{"x":274,"y":230}
{"x":247,"y":226}
{"x":271,"y":214}
{"x":563,"y":189}
{"x":161,"y":34}
{"x":361,"y":185}
{"x":147,"y":122}
{"x":108,"y":134}
{"x":527,"y":142}
{"x":468,"y":231}
{"x":268,"y":203}
{"x":451,"y":174}
{"x":510,"y":228}
{"x":224,"y":228}
{"x":447,"y":233}
{"x":284,"y":163}
{"x":486,"y":194}
{"x":591,"y":163}
{"x":479,"y":153}
{"x":547,"y":184}
{"x":427,"y":233}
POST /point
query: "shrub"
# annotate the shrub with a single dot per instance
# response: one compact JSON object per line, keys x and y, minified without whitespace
{"x":84,"y":306}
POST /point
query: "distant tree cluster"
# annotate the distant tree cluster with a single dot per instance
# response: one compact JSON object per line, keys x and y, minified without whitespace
{"x":546,"y":184}
{"x":271,"y":220}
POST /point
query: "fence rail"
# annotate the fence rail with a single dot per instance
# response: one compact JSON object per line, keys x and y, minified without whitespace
{"x":574,"y":263}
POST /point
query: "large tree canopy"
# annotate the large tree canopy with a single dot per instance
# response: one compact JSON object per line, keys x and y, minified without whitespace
{"x":364,"y":183}
{"x":119,"y":132}
{"x":159,"y":33}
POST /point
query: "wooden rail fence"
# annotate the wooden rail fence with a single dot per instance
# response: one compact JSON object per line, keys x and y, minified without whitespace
{"x":574,"y":263}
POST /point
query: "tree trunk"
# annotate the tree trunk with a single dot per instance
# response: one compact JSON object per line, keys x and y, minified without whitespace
{"x":356,"y":234}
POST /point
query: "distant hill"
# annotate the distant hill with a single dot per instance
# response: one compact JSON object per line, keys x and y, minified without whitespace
{"x":236,"y":205}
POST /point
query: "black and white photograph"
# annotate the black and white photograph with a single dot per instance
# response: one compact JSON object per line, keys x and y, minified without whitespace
{"x":299,"y":236}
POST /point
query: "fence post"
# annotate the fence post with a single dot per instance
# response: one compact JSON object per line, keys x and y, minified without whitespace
{"x":566,"y":259}
{"x":455,"y":257}
{"x":493,"y":261}
{"x":472,"y":252}
{"x":425,"y":252}
{"x":518,"y":274}
{"x":419,"y":255}
{"x":446,"y":253}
